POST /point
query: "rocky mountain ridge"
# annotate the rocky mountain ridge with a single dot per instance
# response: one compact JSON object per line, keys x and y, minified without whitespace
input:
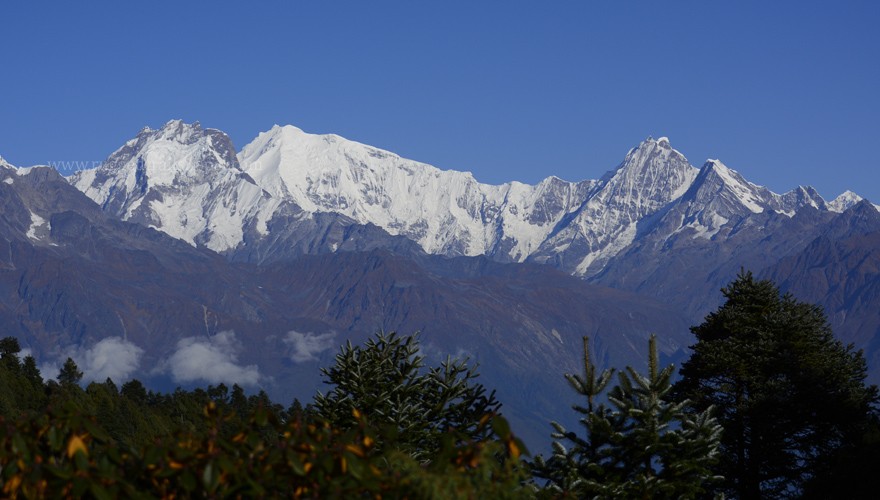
{"x":187,"y":182}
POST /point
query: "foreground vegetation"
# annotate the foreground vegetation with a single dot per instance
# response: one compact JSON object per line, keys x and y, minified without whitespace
{"x":57,"y":439}
{"x":769,"y":406}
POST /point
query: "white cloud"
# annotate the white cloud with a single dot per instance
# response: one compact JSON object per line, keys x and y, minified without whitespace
{"x":213,"y":360}
{"x":49,"y":370}
{"x":306,"y":346}
{"x":112,"y":357}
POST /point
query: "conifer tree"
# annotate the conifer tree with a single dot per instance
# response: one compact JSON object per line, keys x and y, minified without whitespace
{"x":31,"y":372}
{"x":9,"y":349}
{"x":789,"y":394}
{"x":135,"y":391}
{"x":579,"y":467}
{"x":70,"y":374}
{"x":386,"y":382}
{"x":659,"y":450}
{"x":644,"y":445}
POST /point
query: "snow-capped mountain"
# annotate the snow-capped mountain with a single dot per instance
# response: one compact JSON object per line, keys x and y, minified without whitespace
{"x":720,"y":197}
{"x":188,"y":182}
{"x":844,"y":201}
{"x":444,"y":211}
{"x":651,"y":175}
{"x":183,"y":180}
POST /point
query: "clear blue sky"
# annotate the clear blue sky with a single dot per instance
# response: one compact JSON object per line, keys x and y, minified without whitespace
{"x":787,"y":93}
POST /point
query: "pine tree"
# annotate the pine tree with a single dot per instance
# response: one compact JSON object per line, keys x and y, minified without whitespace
{"x":787,"y":393}
{"x":296,"y":412}
{"x":70,"y":374}
{"x":135,"y":391}
{"x":643,"y":446}
{"x":386,"y":382}
{"x":580,"y":467}
{"x":659,"y":450}
{"x":9,"y":350}
{"x":31,"y":372}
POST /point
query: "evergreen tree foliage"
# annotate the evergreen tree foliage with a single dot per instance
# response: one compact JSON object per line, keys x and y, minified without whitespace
{"x":579,"y":468}
{"x":70,"y":374}
{"x":21,"y":386}
{"x":296,"y":411}
{"x":30,"y":371}
{"x":789,"y":395}
{"x":9,"y":349}
{"x":387,"y":382}
{"x":135,"y":391}
{"x":642,"y":445}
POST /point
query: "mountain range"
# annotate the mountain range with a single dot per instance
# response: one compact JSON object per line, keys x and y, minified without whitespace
{"x":179,"y":260}
{"x":189,"y":183}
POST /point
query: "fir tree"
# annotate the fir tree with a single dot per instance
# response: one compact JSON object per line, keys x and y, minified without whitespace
{"x":135,"y":391}
{"x":580,"y":467}
{"x":31,"y":372}
{"x":9,"y":349}
{"x":386,"y":382}
{"x":659,"y":450}
{"x":644,"y":445}
{"x":70,"y":374}
{"x":789,"y":395}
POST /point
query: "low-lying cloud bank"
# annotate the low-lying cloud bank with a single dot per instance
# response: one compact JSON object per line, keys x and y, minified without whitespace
{"x":213,"y":360}
{"x":306,"y":346}
{"x":195,"y":359}
{"x":112,"y":357}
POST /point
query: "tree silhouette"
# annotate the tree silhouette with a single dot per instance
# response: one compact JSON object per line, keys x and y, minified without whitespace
{"x":70,"y":374}
{"x":788,"y":393}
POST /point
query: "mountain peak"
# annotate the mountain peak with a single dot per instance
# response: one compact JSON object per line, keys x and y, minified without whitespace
{"x":652,"y":175}
{"x":288,"y":128}
{"x":843,"y":202}
{"x":716,"y":179}
{"x":178,"y":130}
{"x":651,"y":142}
{"x":651,"y":152}
{"x":653,"y":155}
{"x":725,"y":173}
{"x":168,"y":179}
{"x":189,"y":182}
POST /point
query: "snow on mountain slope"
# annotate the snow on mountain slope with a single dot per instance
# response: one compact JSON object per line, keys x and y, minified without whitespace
{"x":181,"y":179}
{"x":717,"y":196}
{"x":188,"y":182}
{"x":720,"y":197}
{"x":846,"y":200}
{"x":651,"y":175}
{"x":445,"y":211}
{"x":736,"y":190}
